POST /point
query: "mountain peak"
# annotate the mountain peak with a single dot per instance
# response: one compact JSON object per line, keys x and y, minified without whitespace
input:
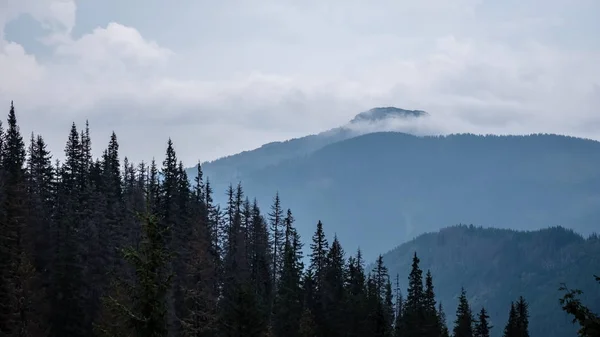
{"x":381,"y":113}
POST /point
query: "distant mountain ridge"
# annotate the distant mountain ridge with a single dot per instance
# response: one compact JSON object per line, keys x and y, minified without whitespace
{"x":379,"y":114}
{"x":381,"y":189}
{"x":230,"y":167}
{"x":497,"y":265}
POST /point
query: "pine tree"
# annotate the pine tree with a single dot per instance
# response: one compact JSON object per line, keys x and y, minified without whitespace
{"x":259,"y":255}
{"x":333,"y":294}
{"x":318,"y":263}
{"x":414,"y":315}
{"x":276,"y":224}
{"x":512,"y":329}
{"x":18,"y":277}
{"x":288,"y":307}
{"x":398,"y":310}
{"x":199,"y":279}
{"x":356,"y":296}
{"x":141,"y":307}
{"x":442,"y":319}
{"x":432,"y":324}
{"x":307,"y":325}
{"x":482,"y":326}
{"x":463,"y":325}
{"x":522,"y":309}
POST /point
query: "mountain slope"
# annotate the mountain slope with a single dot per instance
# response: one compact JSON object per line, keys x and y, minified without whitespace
{"x":496,"y":266}
{"x":231,"y":167}
{"x":380,"y":189}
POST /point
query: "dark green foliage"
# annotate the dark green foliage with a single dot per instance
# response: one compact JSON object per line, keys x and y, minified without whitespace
{"x":511,"y":329}
{"x":463,"y":325}
{"x":288,"y":307}
{"x":482,"y":325}
{"x":588,"y":321}
{"x":141,"y":306}
{"x":496,"y":266}
{"x":507,"y":181}
{"x":442,"y":319}
{"x":333,"y":292}
{"x":191,"y":269}
{"x":21,"y":299}
{"x":413,"y":318}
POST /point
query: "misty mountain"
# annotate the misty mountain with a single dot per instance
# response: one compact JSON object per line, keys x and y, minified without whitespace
{"x":497,"y":266}
{"x":381,"y":189}
{"x":386,"y":113}
{"x":230,"y":168}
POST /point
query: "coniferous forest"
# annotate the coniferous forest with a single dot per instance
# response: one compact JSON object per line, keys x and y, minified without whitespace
{"x":106,"y":247}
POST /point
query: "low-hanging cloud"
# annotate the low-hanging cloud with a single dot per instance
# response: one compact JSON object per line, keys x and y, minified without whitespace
{"x":222,"y":78}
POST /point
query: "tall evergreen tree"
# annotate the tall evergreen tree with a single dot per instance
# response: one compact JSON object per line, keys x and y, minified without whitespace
{"x":512,"y":329}
{"x":140,"y":308}
{"x":18,"y":277}
{"x":443,"y":324}
{"x":276,"y":225}
{"x":288,"y":307}
{"x":432,"y":325}
{"x":522,"y":309}
{"x":333,"y":294}
{"x":482,"y":326}
{"x":463,"y":325}
{"x":414,"y":314}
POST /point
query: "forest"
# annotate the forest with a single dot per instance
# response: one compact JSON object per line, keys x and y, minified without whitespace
{"x":104,"y":247}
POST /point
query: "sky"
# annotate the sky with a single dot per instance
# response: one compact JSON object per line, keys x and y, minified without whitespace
{"x":219,"y":77}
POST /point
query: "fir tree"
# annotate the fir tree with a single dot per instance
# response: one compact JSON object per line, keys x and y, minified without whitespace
{"x":463,"y":325}
{"x":512,"y":329}
{"x":414,"y":315}
{"x":141,"y":306}
{"x":288,"y":307}
{"x":482,"y":326}
{"x":276,"y":224}
{"x":19,"y":297}
{"x":442,"y":319}
{"x":522,"y":309}
{"x":432,"y":325}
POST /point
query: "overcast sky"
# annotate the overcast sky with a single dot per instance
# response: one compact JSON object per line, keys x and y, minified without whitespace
{"x":219,"y":77}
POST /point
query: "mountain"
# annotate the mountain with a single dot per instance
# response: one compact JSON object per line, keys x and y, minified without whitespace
{"x":381,"y":189}
{"x":496,"y":266}
{"x":386,"y":113}
{"x":230,"y":168}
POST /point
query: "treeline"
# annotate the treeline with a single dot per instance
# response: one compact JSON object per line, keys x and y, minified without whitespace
{"x":93,"y":247}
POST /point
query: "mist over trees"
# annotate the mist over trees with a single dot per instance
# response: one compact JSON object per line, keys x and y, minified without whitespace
{"x":106,"y":247}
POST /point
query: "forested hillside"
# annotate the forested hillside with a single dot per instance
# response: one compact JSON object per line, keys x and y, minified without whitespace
{"x":103,"y":247}
{"x":495,"y":265}
{"x":404,"y":185}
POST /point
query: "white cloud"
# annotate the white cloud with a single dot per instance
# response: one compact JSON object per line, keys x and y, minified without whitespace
{"x":248,"y":74}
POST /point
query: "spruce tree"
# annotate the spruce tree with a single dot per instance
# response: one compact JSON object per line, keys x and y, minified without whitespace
{"x":288,"y":307}
{"x":463,"y":325}
{"x":333,"y":294}
{"x":318,"y":264}
{"x":522,"y":309}
{"x":356,"y":296}
{"x":512,"y":329}
{"x":482,"y":326}
{"x":442,"y":319}
{"x":276,"y":224}
{"x":414,"y":315}
{"x":140,"y":308}
{"x":19,"y":297}
{"x":432,"y":325}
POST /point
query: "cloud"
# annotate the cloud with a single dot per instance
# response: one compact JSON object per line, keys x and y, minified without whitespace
{"x":224,"y":77}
